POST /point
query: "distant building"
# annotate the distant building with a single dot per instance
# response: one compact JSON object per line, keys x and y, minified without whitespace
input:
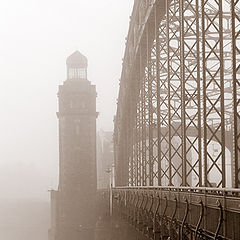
{"x":73,"y":205}
{"x":104,"y":158}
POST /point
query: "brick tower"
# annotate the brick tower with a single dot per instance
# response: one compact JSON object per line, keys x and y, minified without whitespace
{"x":77,"y":153}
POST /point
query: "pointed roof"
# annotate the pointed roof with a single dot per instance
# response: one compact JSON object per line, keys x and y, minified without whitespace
{"x":77,"y":60}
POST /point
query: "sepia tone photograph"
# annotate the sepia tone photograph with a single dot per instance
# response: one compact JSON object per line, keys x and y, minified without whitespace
{"x":120,"y":120}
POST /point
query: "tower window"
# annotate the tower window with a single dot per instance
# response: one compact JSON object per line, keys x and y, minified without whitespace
{"x":82,"y":72}
{"x":77,"y":73}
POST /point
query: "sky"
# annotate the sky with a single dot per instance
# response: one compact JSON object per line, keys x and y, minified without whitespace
{"x":36,"y":37}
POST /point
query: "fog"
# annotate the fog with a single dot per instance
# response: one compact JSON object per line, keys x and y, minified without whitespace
{"x":36,"y":38}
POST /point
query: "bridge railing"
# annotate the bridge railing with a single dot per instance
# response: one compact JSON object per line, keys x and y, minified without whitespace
{"x":179,"y":212}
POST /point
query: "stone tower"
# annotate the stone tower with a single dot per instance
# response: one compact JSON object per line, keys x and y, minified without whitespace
{"x":77,"y":153}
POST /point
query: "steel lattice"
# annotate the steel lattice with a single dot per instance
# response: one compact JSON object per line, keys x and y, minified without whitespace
{"x":179,"y":98}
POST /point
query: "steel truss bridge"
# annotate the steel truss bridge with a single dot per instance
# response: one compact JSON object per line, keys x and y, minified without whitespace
{"x":177,"y":127}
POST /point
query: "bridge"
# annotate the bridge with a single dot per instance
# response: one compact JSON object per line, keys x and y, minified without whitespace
{"x":177,"y":127}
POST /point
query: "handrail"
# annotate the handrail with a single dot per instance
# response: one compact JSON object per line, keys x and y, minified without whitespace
{"x":190,"y":189}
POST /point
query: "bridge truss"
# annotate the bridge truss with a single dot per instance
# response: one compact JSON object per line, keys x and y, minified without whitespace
{"x":177,"y":127}
{"x":178,"y":115}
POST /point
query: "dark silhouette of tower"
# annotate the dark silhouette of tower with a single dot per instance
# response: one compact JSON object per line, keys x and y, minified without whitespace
{"x":77,"y":152}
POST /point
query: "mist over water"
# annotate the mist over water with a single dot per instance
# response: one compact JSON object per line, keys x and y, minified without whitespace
{"x":36,"y":38}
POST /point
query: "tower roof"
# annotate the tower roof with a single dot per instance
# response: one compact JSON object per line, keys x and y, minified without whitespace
{"x":77,"y":60}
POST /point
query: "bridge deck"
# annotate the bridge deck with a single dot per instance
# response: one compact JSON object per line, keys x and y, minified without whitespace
{"x":179,"y":213}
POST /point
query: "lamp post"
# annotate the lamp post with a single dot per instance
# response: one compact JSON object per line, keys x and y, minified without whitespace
{"x":113,"y":175}
{"x":109,"y":170}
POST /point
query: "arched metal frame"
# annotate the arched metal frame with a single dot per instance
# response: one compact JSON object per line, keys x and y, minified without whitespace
{"x":179,"y":99}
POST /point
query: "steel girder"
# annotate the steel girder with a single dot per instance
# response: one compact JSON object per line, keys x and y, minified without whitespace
{"x":235,"y":13}
{"x":179,"y":99}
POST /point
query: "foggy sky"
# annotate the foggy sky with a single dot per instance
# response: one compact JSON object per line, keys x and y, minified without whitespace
{"x":36,"y":38}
